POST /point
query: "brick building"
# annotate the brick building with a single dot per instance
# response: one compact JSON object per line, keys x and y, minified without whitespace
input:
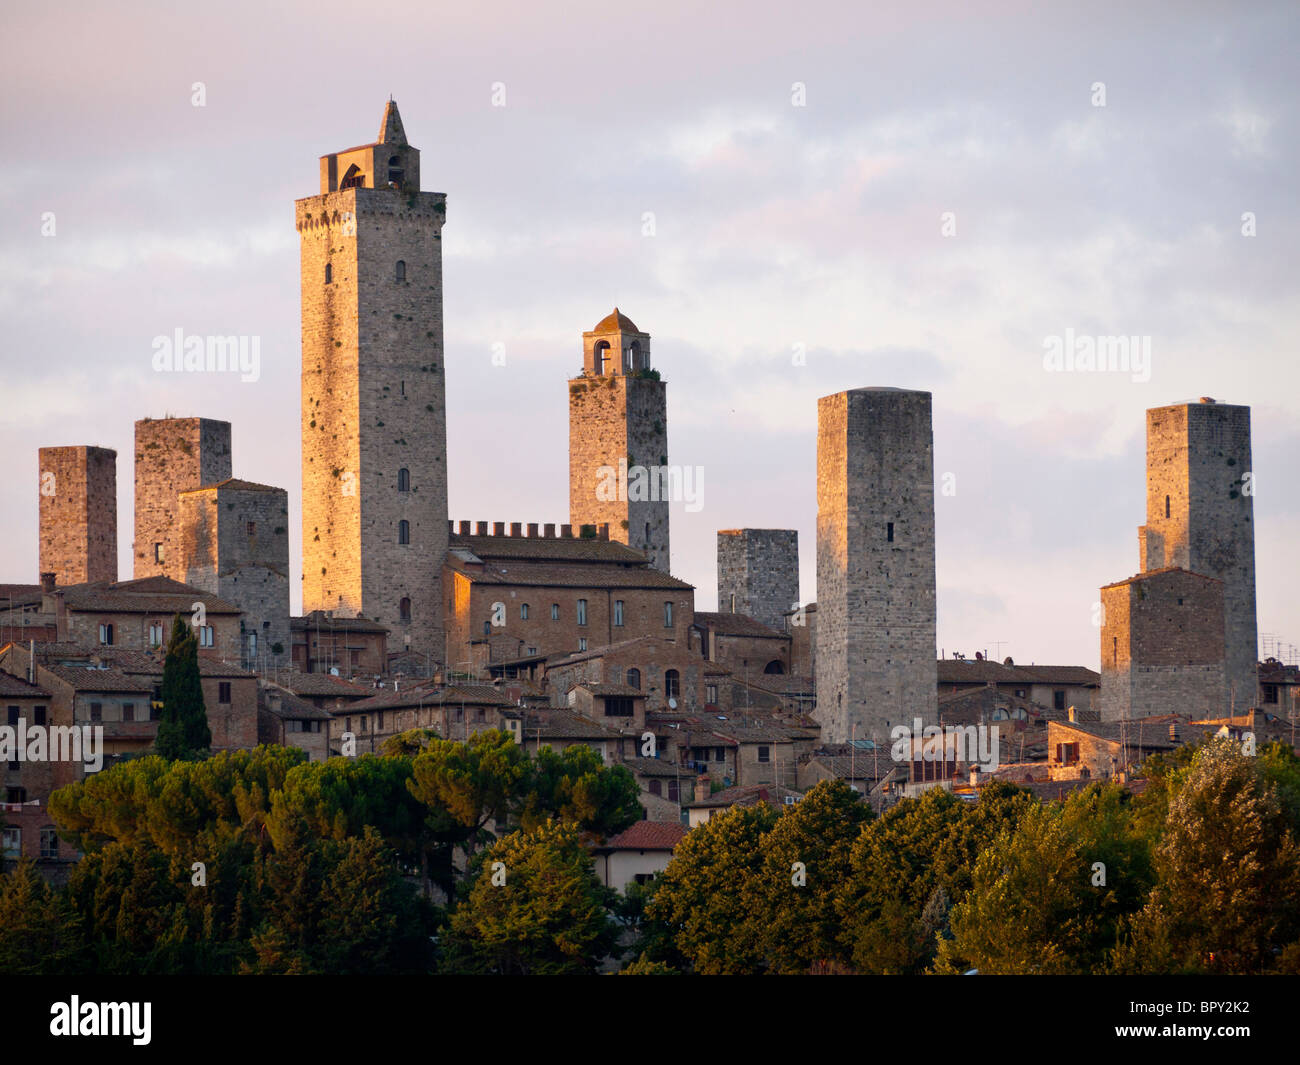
{"x":758,"y":574}
{"x":744,"y":645}
{"x":618,"y":438}
{"x":78,"y":514}
{"x":876,"y":624}
{"x":354,"y":646}
{"x":374,"y":430}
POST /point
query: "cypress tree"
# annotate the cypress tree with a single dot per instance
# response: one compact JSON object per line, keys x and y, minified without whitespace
{"x":183,"y":728}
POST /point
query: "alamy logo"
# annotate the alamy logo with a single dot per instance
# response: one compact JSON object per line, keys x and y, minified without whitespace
{"x":208,"y":354}
{"x":1090,"y":354}
{"x":102,"y":1018}
{"x":651,"y":484}
{"x":972,"y":744}
{"x":55,"y":743}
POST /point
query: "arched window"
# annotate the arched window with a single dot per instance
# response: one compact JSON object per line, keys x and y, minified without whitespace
{"x":329,"y":273}
{"x":403,"y":480}
{"x":353,"y":179}
{"x":672,"y":684}
{"x":656,"y":788}
{"x":555,"y":611}
{"x":404,"y":608}
{"x":601,"y":356}
{"x":523,"y":611}
{"x":401,"y":269}
{"x":634,"y":679}
{"x":774,"y":666}
{"x":634,"y":356}
{"x":395,"y":170}
{"x":403,"y":532}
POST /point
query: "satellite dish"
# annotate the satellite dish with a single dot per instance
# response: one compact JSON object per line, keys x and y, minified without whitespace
{"x":672,"y":704}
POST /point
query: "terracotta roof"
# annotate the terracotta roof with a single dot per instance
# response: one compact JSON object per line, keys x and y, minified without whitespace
{"x":970,"y":671}
{"x":593,"y":652}
{"x":99,"y":680}
{"x":12,"y":687}
{"x":560,"y":724}
{"x":1165,"y":571}
{"x":547,"y":549}
{"x":737,"y":625}
{"x":648,"y":836}
{"x":149,"y":664}
{"x":612,"y":689}
{"x":323,"y":684}
{"x":284,"y":704}
{"x":657,"y":767}
{"x":454,"y":695}
{"x":334,"y":624}
{"x":148,"y":595}
{"x":748,"y":795}
{"x":233,"y":484}
{"x":567,"y":574}
{"x":613,"y":322}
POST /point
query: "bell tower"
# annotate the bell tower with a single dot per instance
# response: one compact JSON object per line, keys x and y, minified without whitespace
{"x":374,"y":429}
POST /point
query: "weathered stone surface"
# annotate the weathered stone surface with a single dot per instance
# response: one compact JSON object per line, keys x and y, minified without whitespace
{"x":78,"y":514}
{"x":758,"y":573}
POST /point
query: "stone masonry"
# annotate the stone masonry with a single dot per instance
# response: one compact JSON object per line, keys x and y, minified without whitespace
{"x":1162,"y":646}
{"x":618,"y":426}
{"x":758,"y":573}
{"x":172,"y":455}
{"x":876,"y":623}
{"x":1200,"y":511}
{"x":235,"y":544}
{"x":374,"y":431}
{"x":78,"y":514}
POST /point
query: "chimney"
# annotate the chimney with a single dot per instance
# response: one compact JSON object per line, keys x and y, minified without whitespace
{"x":498,"y":528}
{"x":602,"y":531}
{"x":480,"y":528}
{"x":974,"y":776}
{"x":1175,"y":732}
{"x":702,"y":788}
{"x":516,"y":528}
{"x":47,"y":582}
{"x":548,"y":530}
{"x":1071,"y":713}
{"x":532,"y":530}
{"x":566,"y":531}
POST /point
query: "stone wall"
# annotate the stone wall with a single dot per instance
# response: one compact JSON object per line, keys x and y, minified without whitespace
{"x":758,"y":573}
{"x":78,"y":514}
{"x":876,"y":625}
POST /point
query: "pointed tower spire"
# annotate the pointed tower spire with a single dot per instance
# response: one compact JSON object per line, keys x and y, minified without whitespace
{"x":391,"y":132}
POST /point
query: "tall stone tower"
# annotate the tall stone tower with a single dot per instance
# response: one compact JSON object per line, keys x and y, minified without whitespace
{"x":876,"y":625}
{"x":758,"y":573}
{"x":1200,"y":517}
{"x":374,"y":418}
{"x":172,"y":455}
{"x":618,"y":440}
{"x":78,"y":514}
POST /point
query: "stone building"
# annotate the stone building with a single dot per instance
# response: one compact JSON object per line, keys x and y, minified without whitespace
{"x":1200,"y":517}
{"x":374,"y":430}
{"x":234,"y":543}
{"x":876,"y":624}
{"x":758,"y":573}
{"x":78,"y":514}
{"x":618,"y":440}
{"x":1162,"y":645}
{"x":172,"y":455}
{"x":742,"y":645}
{"x":354,"y":646}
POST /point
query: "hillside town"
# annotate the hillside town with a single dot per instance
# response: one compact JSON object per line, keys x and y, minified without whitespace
{"x":578,"y":634}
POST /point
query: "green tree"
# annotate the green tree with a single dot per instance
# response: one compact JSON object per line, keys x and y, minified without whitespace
{"x":576,"y":785}
{"x":40,"y":935}
{"x":549,"y":916}
{"x":183,"y":731}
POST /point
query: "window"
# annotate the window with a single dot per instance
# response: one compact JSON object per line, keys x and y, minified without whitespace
{"x":719,"y":754}
{"x":14,"y":713}
{"x":223,"y":692}
{"x":1067,"y":753}
{"x":889,"y":532}
{"x":712,"y":693}
{"x":11,"y":843}
{"x":1271,"y":693}
{"x":1114,"y":650}
{"x":401,"y":270}
{"x":656,"y":788}
{"x":618,"y":612}
{"x":634,"y":679}
{"x":582,"y":643}
{"x":647,"y":534}
{"x":403,"y":480}
{"x":38,"y":715}
{"x":523,"y":611}
{"x":1058,"y":700}
{"x":1166,"y":506}
{"x":379,"y":720}
{"x":1020,"y":693}
{"x":403,"y":532}
{"x":49,"y":842}
{"x":155,"y":635}
{"x":353,"y":179}
{"x":404,"y":608}
{"x":555,"y":611}
{"x":159,"y":555}
{"x":582,"y":611}
{"x":668,"y":615}
{"x":206,"y":635}
{"x":672,"y":684}
{"x":765,"y":754}
{"x":487,"y":628}
{"x":480,"y":715}
{"x":106,"y":635}
{"x":96,"y":711}
{"x":128,"y":711}
{"x":395,"y":178}
{"x":347,"y":726}
{"x":618,"y":706}
{"x":672,"y":790}
{"x":16,"y":796}
{"x":252,"y":528}
{"x":329,"y":273}
{"x":601,"y":356}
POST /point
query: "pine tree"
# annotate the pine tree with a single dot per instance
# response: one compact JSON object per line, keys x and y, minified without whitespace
{"x":183,"y":729}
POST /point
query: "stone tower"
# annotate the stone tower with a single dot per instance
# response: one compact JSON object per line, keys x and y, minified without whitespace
{"x":172,"y":455}
{"x":618,"y":440}
{"x":876,"y":626}
{"x":374,"y":419}
{"x":1200,"y":511}
{"x":234,"y":543}
{"x":78,"y":514}
{"x":758,"y":573}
